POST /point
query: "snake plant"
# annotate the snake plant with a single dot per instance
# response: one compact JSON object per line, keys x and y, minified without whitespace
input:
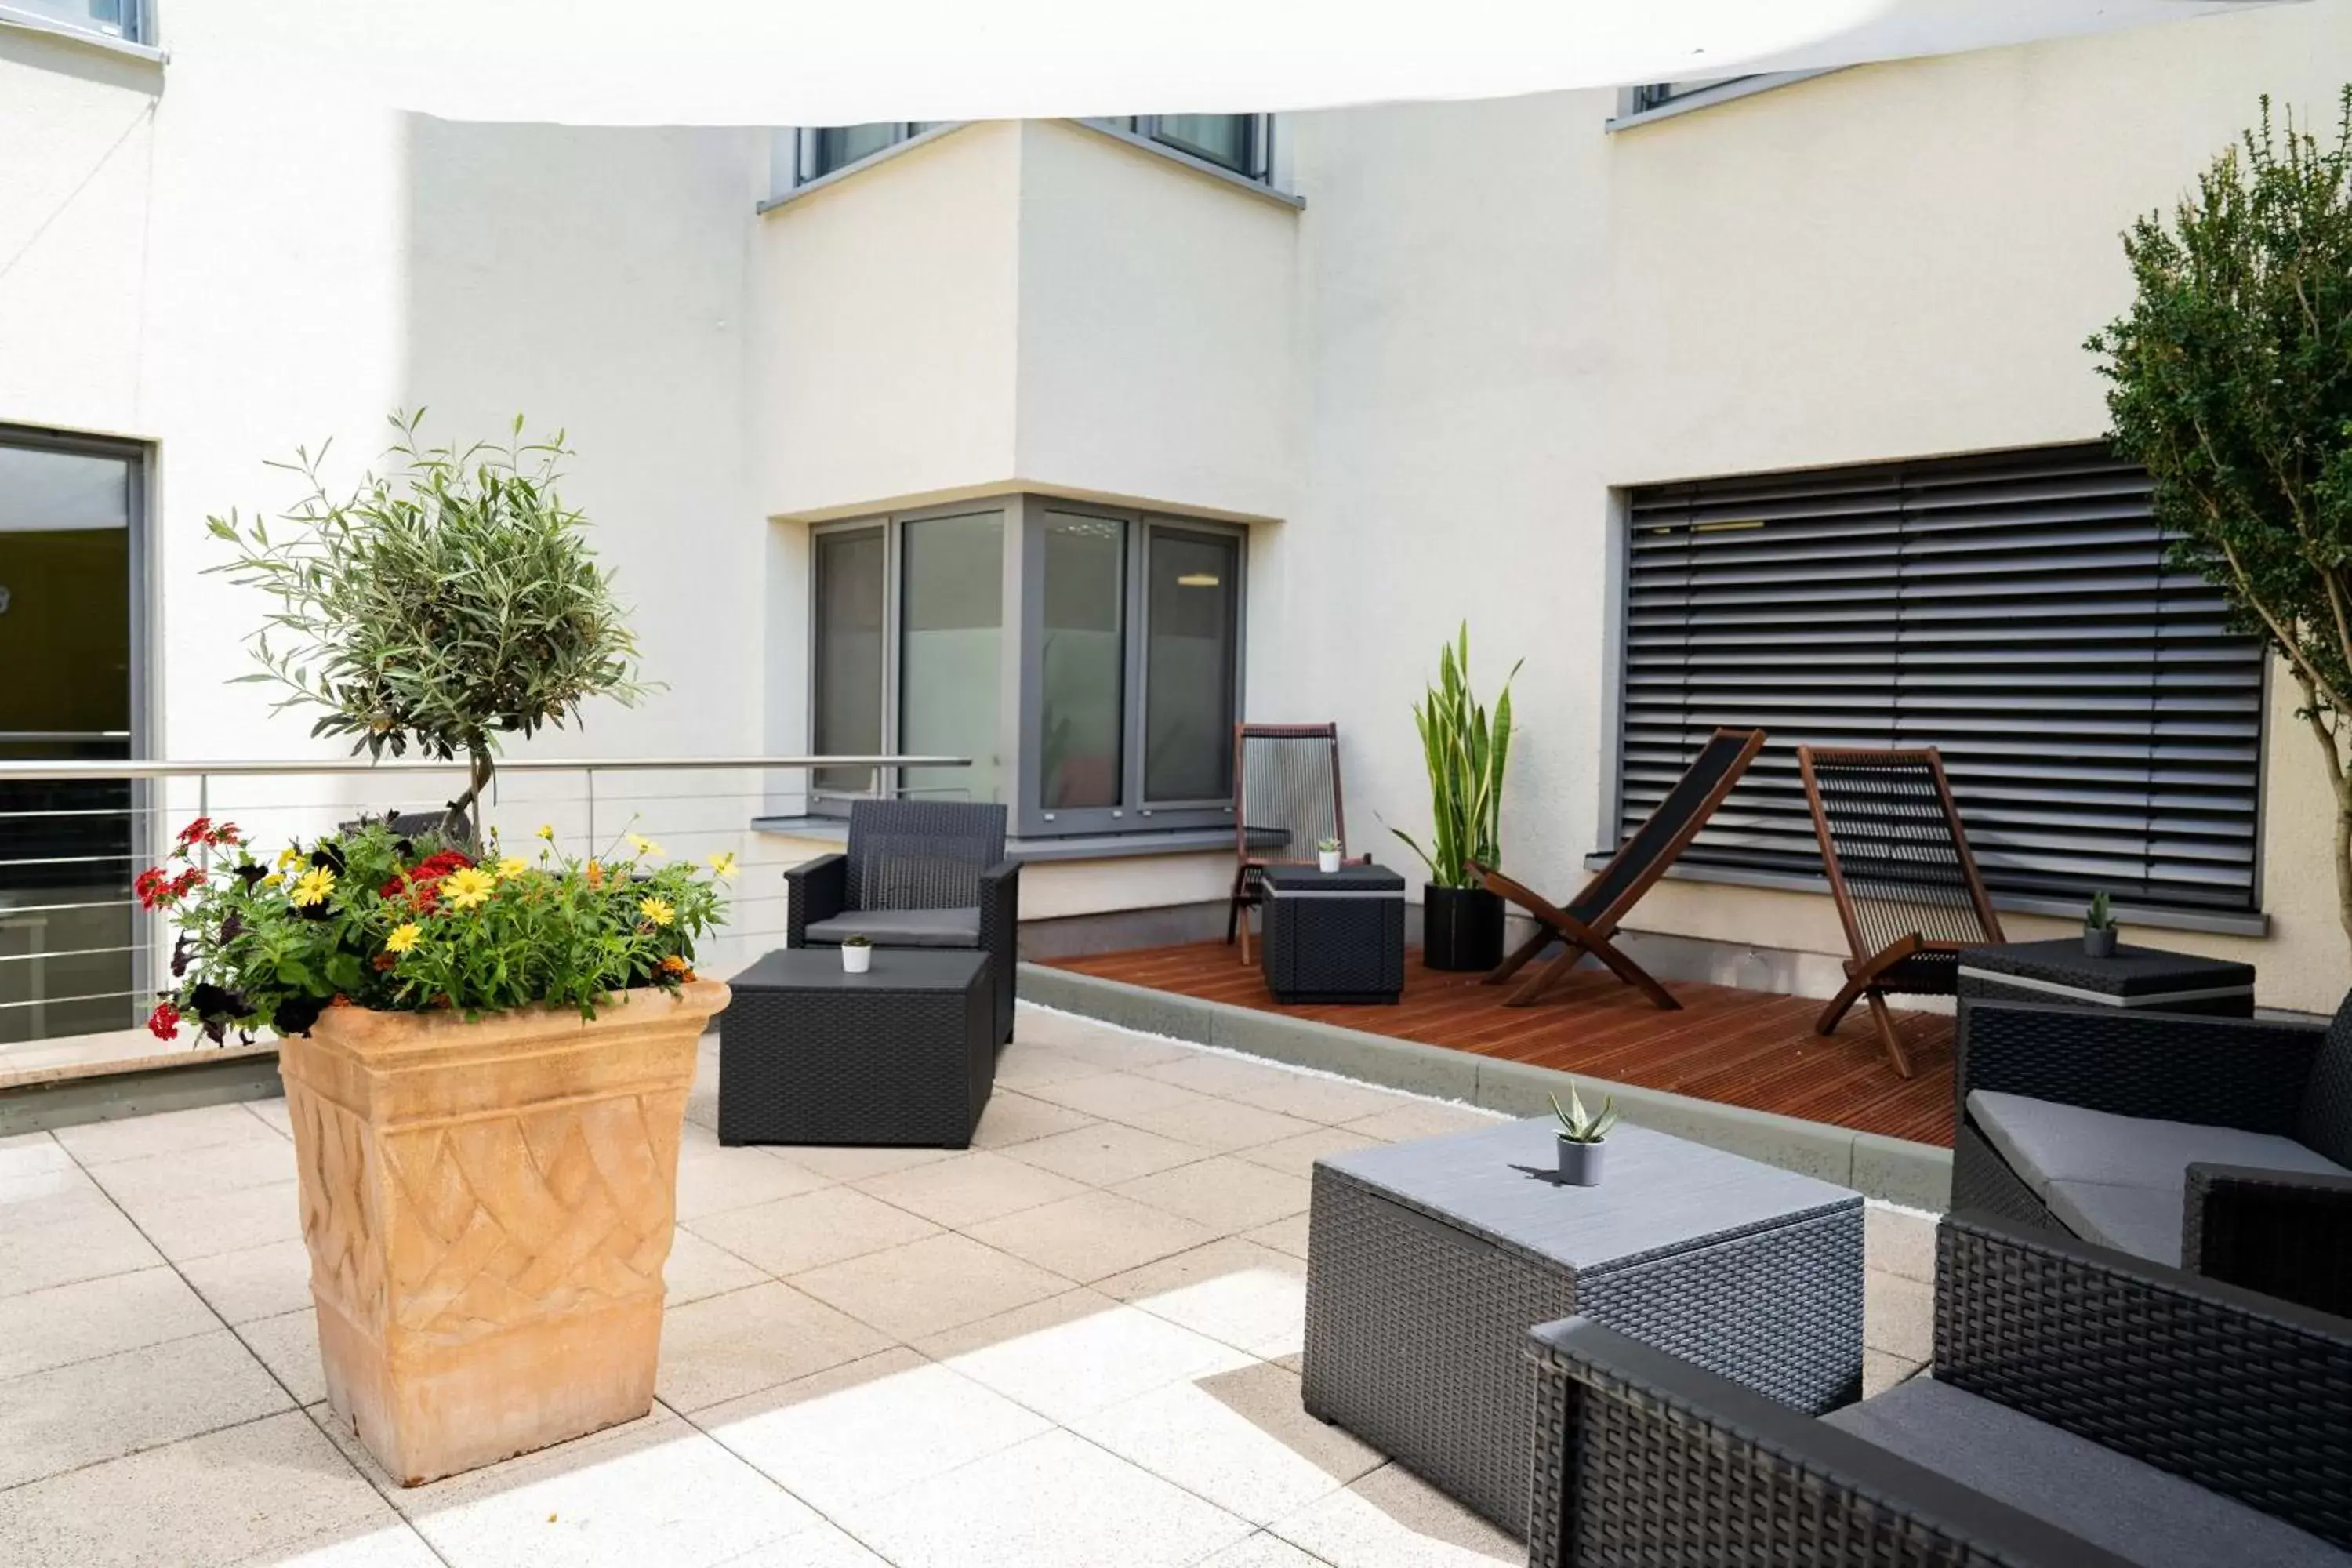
{"x":1466,"y":753}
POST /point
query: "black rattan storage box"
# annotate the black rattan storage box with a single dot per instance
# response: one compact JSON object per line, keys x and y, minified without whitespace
{"x":905,"y":1052}
{"x":2060,"y":972}
{"x":1333,"y":936}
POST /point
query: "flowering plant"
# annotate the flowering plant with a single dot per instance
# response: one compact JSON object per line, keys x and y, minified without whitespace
{"x":371,"y":919}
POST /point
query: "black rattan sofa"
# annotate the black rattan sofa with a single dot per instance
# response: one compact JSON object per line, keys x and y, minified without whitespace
{"x":917,"y":874}
{"x":2085,"y":1409}
{"x":2219,"y":1145}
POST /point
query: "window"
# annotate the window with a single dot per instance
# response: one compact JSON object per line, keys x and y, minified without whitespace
{"x":1087,"y":658}
{"x":2101,"y":722}
{"x":817,"y":150}
{"x":1657,"y":100}
{"x":1241,"y":142}
{"x":121,"y":19}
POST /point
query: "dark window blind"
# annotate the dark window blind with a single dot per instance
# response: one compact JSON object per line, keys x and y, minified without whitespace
{"x":2101,"y":723}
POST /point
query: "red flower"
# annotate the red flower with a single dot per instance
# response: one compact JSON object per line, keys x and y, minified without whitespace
{"x":200,"y":829}
{"x":420,"y":884}
{"x":164,"y":1023}
{"x":153,"y":886}
{"x":225,"y":834}
{"x":187,"y":882}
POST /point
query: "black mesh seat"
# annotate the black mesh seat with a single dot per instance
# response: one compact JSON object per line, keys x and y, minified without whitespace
{"x":917,"y":874}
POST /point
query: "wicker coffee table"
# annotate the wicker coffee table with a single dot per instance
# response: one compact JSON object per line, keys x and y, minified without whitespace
{"x":1333,"y":936}
{"x":1428,"y":1262}
{"x":905,"y":1052}
{"x":2059,"y":971}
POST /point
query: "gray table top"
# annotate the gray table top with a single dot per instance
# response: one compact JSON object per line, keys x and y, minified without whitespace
{"x":1657,"y":1193}
{"x":893,"y":969}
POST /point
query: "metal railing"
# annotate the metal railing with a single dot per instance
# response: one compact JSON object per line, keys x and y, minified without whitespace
{"x":79,"y":956}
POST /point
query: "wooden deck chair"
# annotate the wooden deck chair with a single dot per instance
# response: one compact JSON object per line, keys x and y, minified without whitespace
{"x":1590,"y":919}
{"x":1899,"y":866}
{"x":1285,"y":801}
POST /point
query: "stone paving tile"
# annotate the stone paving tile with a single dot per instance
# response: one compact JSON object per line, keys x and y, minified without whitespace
{"x":1392,"y":1519}
{"x":1262,"y":1549}
{"x":851,"y":1164}
{"x":1242,"y":1439}
{"x":166,"y":1132}
{"x":65,"y":1237}
{"x":969,"y":1187}
{"x":722,"y":1347}
{"x":228,"y":1167}
{"x":257,"y":1282}
{"x":793,"y":1234}
{"x":868,"y":1429}
{"x":653,"y":1491}
{"x":1899,"y":1241}
{"x":712,"y":1181}
{"x":929,"y":1286}
{"x":94,"y":1318}
{"x":266,"y":1490}
{"x":698,"y":1269}
{"x":1011,"y":1117}
{"x":1882,"y":1371}
{"x":288,"y":1347}
{"x":820,"y":1545}
{"x":1898,"y":1316}
{"x":1298,"y":1155}
{"x":104,"y":1408}
{"x":28,"y":1153}
{"x":1106,"y":1153}
{"x":1103,"y":1043}
{"x":186,"y":1228}
{"x":1422,"y":1119}
{"x":393,"y":1543}
{"x":1284,"y":1235}
{"x":1224,"y":1194}
{"x":1116,"y":1095}
{"x":1220,"y":1124}
{"x":273,"y":1114}
{"x":1092,"y":1235}
{"x":1032,"y":1069}
{"x":1078,"y":1353}
{"x":1055,"y":1501}
{"x":1250,"y":1297}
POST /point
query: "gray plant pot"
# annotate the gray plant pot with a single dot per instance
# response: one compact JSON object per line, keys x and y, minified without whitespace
{"x":2099,"y":944}
{"x":1579,"y":1163}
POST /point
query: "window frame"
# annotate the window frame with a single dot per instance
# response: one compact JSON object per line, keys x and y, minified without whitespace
{"x":1256,"y":167}
{"x":1635,"y":108}
{"x":137,"y":34}
{"x":1022,"y":707}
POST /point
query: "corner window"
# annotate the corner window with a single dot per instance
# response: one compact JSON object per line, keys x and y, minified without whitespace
{"x":1658,"y":100}
{"x":122,"y":19}
{"x":2100,"y":717}
{"x":1086,"y":658}
{"x":817,"y":150}
{"x":1241,"y":142}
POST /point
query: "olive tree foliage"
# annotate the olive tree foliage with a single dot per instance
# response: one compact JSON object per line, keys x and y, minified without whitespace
{"x":447,"y":600}
{"x":2232,"y":380}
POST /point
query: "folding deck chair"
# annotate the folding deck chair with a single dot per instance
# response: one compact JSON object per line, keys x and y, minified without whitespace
{"x":1285,"y":801}
{"x":1905,"y":885}
{"x":1591,"y":918}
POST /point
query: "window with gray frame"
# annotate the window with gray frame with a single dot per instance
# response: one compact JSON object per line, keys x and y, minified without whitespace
{"x":1086,"y":658}
{"x":2101,"y":722}
{"x":124,"y":19}
{"x":1241,"y":142}
{"x":821,"y":150}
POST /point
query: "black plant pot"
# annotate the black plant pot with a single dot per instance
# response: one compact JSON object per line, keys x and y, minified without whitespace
{"x":1461,"y":928}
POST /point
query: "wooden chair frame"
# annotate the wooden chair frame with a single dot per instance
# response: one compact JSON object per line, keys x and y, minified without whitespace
{"x":1595,"y":936}
{"x":1245,"y":894}
{"x":1865,"y":971}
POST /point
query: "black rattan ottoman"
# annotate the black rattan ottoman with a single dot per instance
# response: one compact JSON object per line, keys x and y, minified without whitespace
{"x":1428,"y":1262}
{"x":905,"y":1052}
{"x":1333,"y":936}
{"x":2060,"y":972}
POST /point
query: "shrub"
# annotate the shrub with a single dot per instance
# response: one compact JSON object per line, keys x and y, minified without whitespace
{"x":371,"y":919}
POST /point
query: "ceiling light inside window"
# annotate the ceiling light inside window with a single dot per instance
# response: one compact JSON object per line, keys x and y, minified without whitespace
{"x":1198,"y":579}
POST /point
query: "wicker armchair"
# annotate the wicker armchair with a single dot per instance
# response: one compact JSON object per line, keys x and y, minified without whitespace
{"x":2087,"y":1409}
{"x":917,"y":874}
{"x":2221,"y":1145}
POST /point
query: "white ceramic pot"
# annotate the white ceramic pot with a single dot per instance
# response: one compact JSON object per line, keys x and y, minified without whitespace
{"x":1327,"y":860}
{"x":856,"y":960}
{"x":1579,"y":1163}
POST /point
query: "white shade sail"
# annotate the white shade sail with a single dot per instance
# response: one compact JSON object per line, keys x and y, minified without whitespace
{"x":778,"y":62}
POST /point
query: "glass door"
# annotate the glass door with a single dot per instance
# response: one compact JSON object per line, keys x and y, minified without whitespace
{"x":69,"y":962}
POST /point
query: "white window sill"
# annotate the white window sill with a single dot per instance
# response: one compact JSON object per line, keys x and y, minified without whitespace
{"x":16,"y":21}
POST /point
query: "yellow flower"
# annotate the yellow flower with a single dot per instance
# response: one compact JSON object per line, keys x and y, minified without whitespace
{"x":723,"y":863}
{"x":314,"y":885}
{"x":403,"y":937}
{"x":547,"y":831}
{"x":658,"y":911}
{"x":468,"y":889}
{"x":642,"y":845}
{"x":512,"y":865}
{"x":275,"y":879}
{"x":288,"y":855}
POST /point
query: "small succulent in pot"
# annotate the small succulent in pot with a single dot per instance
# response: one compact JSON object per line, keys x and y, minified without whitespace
{"x":2099,"y":929}
{"x":856,"y":954}
{"x":1327,"y":855}
{"x":1581,"y":1136}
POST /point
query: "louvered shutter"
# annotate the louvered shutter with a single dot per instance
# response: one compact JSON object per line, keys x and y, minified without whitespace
{"x":2101,"y":724}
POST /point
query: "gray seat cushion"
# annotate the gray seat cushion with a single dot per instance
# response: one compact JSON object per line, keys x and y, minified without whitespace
{"x":2045,"y":1141}
{"x":2143,"y":1221}
{"x":901,"y":928}
{"x":2118,"y":1503}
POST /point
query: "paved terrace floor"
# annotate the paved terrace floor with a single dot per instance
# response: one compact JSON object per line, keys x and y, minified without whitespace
{"x":1072,"y":1346}
{"x":1752,"y":1049}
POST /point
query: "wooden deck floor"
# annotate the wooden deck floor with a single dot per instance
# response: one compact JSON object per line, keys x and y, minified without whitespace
{"x":1752,"y":1049}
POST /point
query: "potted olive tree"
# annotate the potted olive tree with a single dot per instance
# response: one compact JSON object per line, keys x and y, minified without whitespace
{"x":486,"y":1054}
{"x":1465,"y":752}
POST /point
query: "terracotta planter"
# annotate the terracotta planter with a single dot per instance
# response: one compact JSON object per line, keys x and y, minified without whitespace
{"x":489,"y":1207}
